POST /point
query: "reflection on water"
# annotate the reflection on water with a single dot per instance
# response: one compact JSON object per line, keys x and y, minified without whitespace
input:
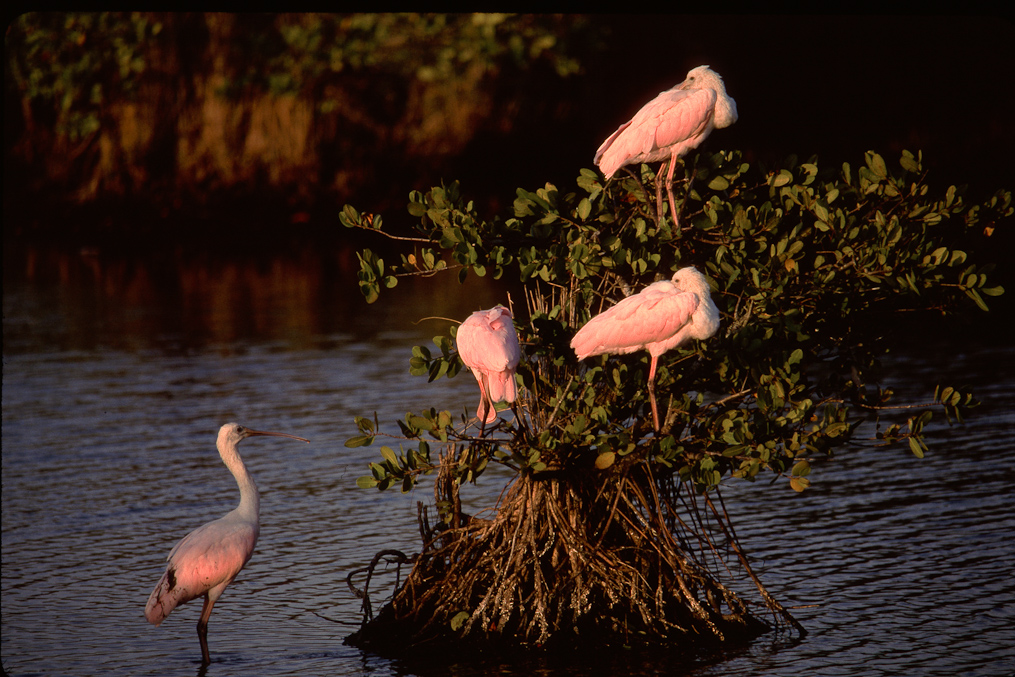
{"x":117,"y":376}
{"x":84,"y":300}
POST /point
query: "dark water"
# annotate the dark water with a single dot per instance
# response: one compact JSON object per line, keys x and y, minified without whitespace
{"x":117,"y":376}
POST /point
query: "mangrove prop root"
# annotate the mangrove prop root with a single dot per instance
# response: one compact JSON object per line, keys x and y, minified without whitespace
{"x":620,"y":558}
{"x":396,"y":556}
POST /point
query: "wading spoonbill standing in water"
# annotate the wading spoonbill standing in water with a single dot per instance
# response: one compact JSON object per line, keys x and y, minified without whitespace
{"x":208,"y":558}
{"x":488,"y":345}
{"x":668,"y":127}
{"x":660,"y":317}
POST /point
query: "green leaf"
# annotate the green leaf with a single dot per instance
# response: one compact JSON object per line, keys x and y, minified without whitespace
{"x":915,"y":447}
{"x":877,"y":165}
{"x":801,"y":468}
{"x":349,"y":217}
{"x":719,"y":183}
{"x":364,"y":424}
{"x":783,"y":178}
{"x":419,"y":422}
{"x":584,"y":209}
{"x":389,"y":455}
{"x":799,"y":483}
{"x":909,"y":163}
{"x":366,"y":482}
{"x":973,"y":294}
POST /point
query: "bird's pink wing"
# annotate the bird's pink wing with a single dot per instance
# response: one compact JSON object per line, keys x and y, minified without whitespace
{"x":506,"y":338}
{"x":653,"y":315}
{"x":635,"y":137}
{"x":609,"y":142}
{"x":206,"y":557}
{"x":677,"y":117}
{"x":488,"y":347}
{"x":469,"y":340}
{"x":683,"y":117}
{"x":502,"y":381}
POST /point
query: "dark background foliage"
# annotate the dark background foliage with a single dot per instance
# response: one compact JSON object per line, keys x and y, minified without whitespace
{"x":834,"y":86}
{"x":196,"y":128}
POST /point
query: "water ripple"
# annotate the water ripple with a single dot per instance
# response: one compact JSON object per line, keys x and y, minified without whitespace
{"x":109,"y":458}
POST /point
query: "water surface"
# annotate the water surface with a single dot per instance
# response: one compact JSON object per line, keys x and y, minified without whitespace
{"x":117,"y":377}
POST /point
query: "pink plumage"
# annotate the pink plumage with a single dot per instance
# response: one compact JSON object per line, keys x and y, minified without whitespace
{"x":660,"y":317}
{"x":488,"y":345}
{"x":207,"y":559}
{"x":672,"y":124}
{"x":668,"y":127}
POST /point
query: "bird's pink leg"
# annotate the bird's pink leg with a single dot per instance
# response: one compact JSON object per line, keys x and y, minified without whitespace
{"x":669,"y":189}
{"x":485,"y":405}
{"x":659,"y":194}
{"x":202,"y":627}
{"x":652,"y":391}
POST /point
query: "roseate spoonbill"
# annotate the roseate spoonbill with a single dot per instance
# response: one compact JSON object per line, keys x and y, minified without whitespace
{"x":488,"y":345}
{"x":668,"y":127}
{"x":660,"y":317}
{"x":208,"y":558}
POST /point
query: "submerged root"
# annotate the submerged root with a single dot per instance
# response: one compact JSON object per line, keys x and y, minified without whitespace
{"x":614,"y":558}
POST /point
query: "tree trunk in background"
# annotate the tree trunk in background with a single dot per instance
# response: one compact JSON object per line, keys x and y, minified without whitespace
{"x":183,"y":133}
{"x":192,"y":131}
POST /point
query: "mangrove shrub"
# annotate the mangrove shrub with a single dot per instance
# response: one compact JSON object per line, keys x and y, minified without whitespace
{"x":611,"y":532}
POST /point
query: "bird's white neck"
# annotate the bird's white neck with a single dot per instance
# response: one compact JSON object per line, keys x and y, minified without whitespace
{"x":250,"y":499}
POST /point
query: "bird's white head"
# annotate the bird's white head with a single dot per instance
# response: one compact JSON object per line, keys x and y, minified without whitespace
{"x":704,"y":77}
{"x":232,"y":433}
{"x":689,"y":279}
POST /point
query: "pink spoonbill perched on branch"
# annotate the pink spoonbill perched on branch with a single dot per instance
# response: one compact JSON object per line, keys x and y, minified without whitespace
{"x":488,"y":345}
{"x":659,"y":318}
{"x":668,"y":127}
{"x":208,"y":558}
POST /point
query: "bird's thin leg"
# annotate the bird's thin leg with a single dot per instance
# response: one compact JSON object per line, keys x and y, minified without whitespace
{"x":652,"y":391}
{"x":669,"y":191}
{"x":485,"y":405}
{"x":659,"y":194}
{"x":202,"y":628}
{"x":482,"y":420}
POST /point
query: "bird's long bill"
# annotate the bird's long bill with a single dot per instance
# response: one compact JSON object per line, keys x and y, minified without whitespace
{"x":270,"y":434}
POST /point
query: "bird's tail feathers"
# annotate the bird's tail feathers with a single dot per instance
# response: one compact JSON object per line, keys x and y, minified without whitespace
{"x":503,"y":387}
{"x":164,"y":598}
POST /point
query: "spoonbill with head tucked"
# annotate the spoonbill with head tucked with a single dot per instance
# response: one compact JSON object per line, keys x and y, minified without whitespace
{"x":668,"y":127}
{"x":488,"y":345}
{"x":659,"y":318}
